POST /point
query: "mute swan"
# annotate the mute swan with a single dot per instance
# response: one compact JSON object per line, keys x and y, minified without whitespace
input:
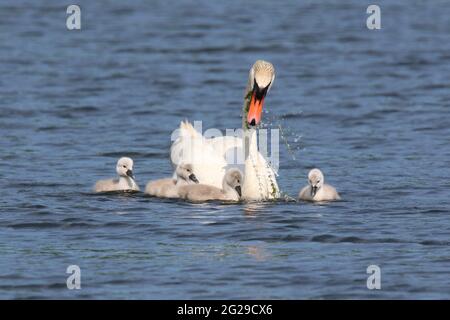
{"x":168,"y":188}
{"x":231,"y":189}
{"x":125,"y":182}
{"x":208,"y":156}
{"x":317,"y":190}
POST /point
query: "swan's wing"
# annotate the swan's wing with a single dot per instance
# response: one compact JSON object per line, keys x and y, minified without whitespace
{"x":191,"y":147}
{"x":185,"y":133}
{"x":223,"y":144}
{"x":231,"y":145}
{"x":230,"y":148}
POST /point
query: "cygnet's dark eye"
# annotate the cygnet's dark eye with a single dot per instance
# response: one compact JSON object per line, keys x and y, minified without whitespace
{"x":124,"y":166}
{"x":238,"y":181}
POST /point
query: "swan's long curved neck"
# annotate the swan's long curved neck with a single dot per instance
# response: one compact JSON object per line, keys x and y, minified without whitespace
{"x":253,"y":188}
{"x":245,"y":109}
{"x":249,"y":134}
{"x":250,"y":142}
{"x":259,"y":182}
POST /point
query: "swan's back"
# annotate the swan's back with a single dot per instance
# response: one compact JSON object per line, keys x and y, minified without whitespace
{"x":106,"y":185}
{"x":305,"y":194}
{"x":120,"y":184}
{"x":201,"y":192}
{"x":329,"y":193}
{"x":155,"y":188}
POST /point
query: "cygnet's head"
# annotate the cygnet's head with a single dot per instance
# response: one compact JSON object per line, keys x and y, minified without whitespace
{"x":315,"y":180}
{"x":233,"y":178}
{"x":185,"y":171}
{"x":124,"y":167}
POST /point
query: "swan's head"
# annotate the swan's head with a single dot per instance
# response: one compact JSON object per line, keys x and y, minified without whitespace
{"x":124,"y":167}
{"x":315,"y":180}
{"x":186,"y":172}
{"x":233,"y":178}
{"x":261,"y":77}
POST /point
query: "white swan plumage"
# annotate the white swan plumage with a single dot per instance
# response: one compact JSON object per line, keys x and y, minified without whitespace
{"x":211,"y":157}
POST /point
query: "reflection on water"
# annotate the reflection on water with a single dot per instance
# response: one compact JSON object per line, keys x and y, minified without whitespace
{"x":254,"y":208}
{"x":259,"y":253}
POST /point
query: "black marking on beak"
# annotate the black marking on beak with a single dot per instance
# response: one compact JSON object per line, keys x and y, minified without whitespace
{"x":193,"y":178}
{"x":130,"y":174}
{"x":313,"y":190}
{"x":239,"y":191}
{"x":257,"y":96}
{"x":260,"y":93}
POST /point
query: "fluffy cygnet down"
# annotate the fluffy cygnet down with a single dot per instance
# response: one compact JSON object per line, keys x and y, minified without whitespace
{"x":125,"y":181}
{"x":317,"y":190}
{"x":231,"y":189}
{"x":168,"y":188}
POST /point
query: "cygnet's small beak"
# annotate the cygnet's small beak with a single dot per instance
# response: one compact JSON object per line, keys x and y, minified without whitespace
{"x":313,"y":190}
{"x":239,"y":191}
{"x":193,"y":178}
{"x":130,"y":174}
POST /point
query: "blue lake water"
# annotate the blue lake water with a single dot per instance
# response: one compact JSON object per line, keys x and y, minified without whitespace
{"x":370,"y":108}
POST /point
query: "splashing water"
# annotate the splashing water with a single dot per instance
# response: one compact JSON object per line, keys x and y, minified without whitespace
{"x":287,"y":134}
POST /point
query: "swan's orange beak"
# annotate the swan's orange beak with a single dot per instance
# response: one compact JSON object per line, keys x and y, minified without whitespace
{"x":255,"y":109}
